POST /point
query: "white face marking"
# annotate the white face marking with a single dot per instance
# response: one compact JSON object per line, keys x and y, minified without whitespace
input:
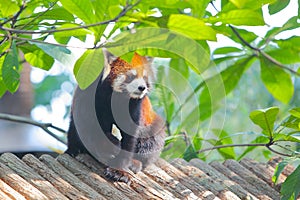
{"x":133,"y":72}
{"x":137,"y":88}
{"x":145,"y":73}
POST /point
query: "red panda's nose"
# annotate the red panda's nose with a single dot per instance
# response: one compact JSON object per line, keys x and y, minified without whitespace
{"x":141,"y":88}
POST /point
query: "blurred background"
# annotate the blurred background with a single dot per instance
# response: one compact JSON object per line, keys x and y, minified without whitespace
{"x":46,"y":96}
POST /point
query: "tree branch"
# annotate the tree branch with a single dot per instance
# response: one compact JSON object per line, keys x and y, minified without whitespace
{"x":267,"y":145}
{"x":48,"y":43}
{"x":242,"y":39}
{"x":277,"y":152}
{"x":231,"y":145}
{"x":44,"y":126}
{"x":30,"y":32}
{"x":277,"y":63}
{"x":260,"y":51}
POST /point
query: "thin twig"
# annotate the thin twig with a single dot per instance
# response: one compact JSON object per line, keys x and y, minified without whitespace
{"x":39,"y":15}
{"x":14,"y":18}
{"x":48,"y":43}
{"x":44,"y":126}
{"x":121,"y":14}
{"x":274,"y":61}
{"x":257,"y":49}
{"x":277,"y":152}
{"x":231,"y":145}
{"x":261,"y":52}
{"x":242,"y":39}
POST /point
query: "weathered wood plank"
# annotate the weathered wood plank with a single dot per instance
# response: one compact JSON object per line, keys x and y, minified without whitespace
{"x":85,"y":174}
{"x":90,"y":178}
{"x":196,"y":188}
{"x":30,"y":175}
{"x":251,"y":178}
{"x":69,"y":177}
{"x":4,"y":196}
{"x":174,"y":186}
{"x":236,"y":178}
{"x":222,"y":179}
{"x":96,"y":167}
{"x":19,"y":184}
{"x":264,"y":171}
{"x":60,"y":184}
{"x":13,"y":194}
{"x":155,"y":188}
{"x":203,"y":179}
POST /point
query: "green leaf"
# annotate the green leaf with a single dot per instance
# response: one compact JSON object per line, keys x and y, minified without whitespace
{"x":190,"y":153}
{"x":179,"y":65}
{"x":290,"y":43}
{"x":62,"y":54}
{"x":197,"y":142}
{"x":57,"y":13}
{"x":226,"y":50}
{"x":277,"y":81}
{"x":40,"y":59}
{"x":278,"y":6}
{"x":295,"y":112}
{"x":265,"y":119}
{"x":227,"y":31}
{"x":88,"y":67}
{"x":163,"y":39}
{"x":279,"y":168}
{"x":285,"y":56}
{"x":10,"y":69}
{"x":224,"y":138}
{"x":101,"y":8}
{"x":292,"y":23}
{"x":3,"y":88}
{"x":291,"y":122}
{"x":239,"y":17}
{"x":199,"y":7}
{"x":191,"y":27}
{"x":291,"y":186}
{"x":75,"y":33}
{"x":285,"y":137}
{"x":8,"y":8}
{"x":83,"y":9}
{"x":250,"y":4}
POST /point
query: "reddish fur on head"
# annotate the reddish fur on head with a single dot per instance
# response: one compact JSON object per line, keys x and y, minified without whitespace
{"x":120,"y":66}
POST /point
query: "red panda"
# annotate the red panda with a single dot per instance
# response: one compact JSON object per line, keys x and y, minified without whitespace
{"x":133,"y":134}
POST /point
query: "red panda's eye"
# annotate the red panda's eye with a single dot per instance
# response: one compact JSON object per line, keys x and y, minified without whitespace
{"x":130,"y":77}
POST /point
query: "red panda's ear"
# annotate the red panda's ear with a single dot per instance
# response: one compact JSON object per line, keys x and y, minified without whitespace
{"x":108,"y":59}
{"x":138,"y":60}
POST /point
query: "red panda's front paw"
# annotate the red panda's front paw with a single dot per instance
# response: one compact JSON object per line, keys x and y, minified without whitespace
{"x":117,"y":175}
{"x":136,"y":166}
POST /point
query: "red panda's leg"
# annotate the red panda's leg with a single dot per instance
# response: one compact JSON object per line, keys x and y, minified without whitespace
{"x":136,"y":166}
{"x":117,"y":167}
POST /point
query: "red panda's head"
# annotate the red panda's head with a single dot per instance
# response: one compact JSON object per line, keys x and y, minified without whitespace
{"x":132,"y":78}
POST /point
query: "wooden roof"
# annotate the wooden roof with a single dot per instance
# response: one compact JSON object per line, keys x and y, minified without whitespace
{"x":65,"y":177}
